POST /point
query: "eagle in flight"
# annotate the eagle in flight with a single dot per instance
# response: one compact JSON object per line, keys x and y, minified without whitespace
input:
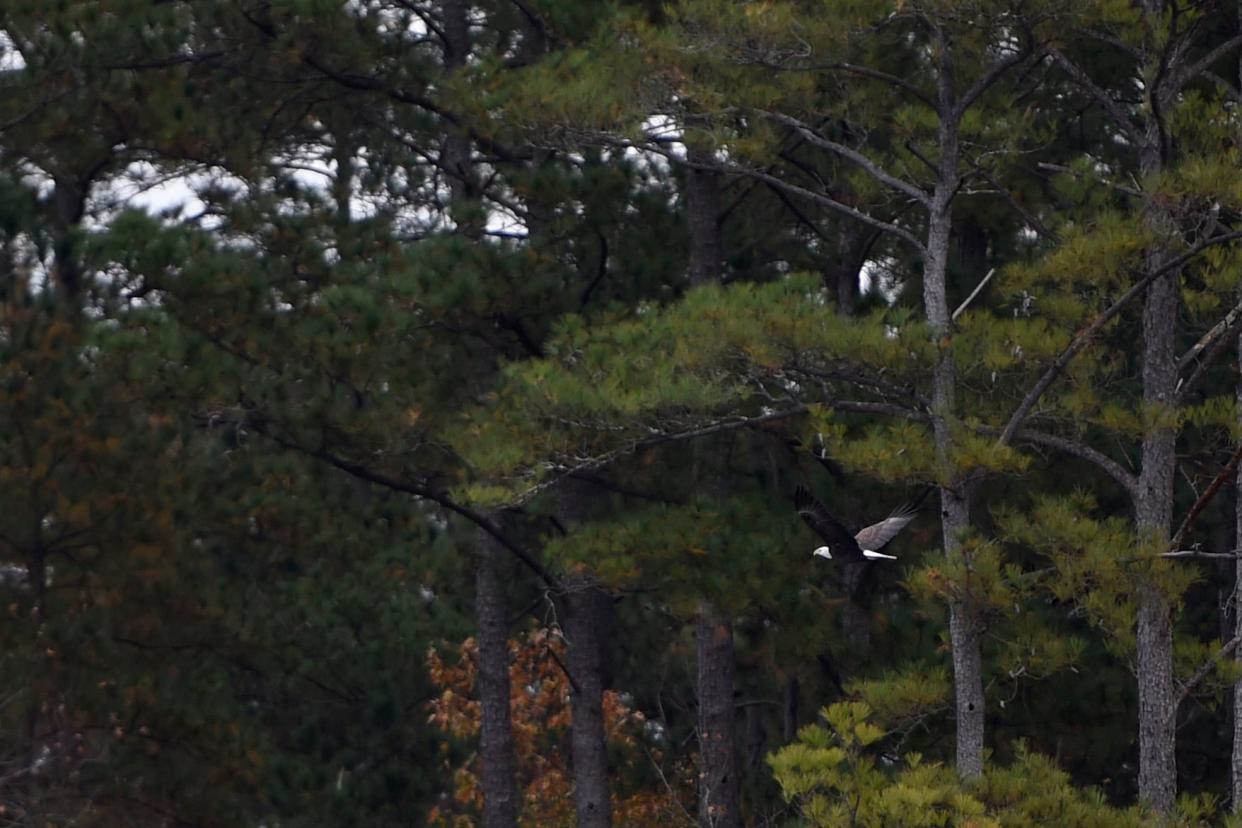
{"x":865,"y":545}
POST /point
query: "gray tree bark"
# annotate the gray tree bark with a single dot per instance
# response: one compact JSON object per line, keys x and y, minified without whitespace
{"x":719,"y":791}
{"x":1235,"y":769}
{"x":954,"y":494}
{"x":1154,"y":514}
{"x":1153,"y":509}
{"x":496,"y":748}
{"x":1236,"y":759}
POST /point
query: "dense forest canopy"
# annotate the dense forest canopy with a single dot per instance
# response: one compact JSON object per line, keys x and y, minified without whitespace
{"x":404,"y":406}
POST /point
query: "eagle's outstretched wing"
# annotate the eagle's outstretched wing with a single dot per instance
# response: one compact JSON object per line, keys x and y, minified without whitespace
{"x":826,"y":526}
{"x":876,"y":536}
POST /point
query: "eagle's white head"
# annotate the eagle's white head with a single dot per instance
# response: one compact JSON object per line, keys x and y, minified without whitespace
{"x":823,"y":552}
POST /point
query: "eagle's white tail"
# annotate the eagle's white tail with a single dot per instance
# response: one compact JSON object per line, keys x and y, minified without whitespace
{"x":871,"y":556}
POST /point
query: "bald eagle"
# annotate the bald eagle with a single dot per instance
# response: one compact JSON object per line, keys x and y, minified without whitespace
{"x":865,"y":545}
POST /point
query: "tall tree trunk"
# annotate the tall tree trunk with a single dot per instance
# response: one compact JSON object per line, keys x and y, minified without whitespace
{"x":586,"y":606}
{"x":703,"y":217}
{"x":456,"y":160}
{"x":1236,"y":759}
{"x":1154,"y":513}
{"x":858,"y":580}
{"x":1154,"y":506}
{"x":496,"y":748}
{"x":1236,"y":765}
{"x":587,"y":619}
{"x":68,"y":205}
{"x":789,"y":729}
{"x":954,"y":500}
{"x":954,"y":493}
{"x":719,"y":786}
{"x":719,"y":791}
{"x":501,"y":801}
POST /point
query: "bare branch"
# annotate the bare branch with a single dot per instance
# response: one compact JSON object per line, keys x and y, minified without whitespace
{"x":1219,"y":329}
{"x":854,"y":156}
{"x":985,"y":81}
{"x":966,"y":302}
{"x":832,"y":204}
{"x":1189,"y":72}
{"x":1214,"y":352}
{"x":1205,"y":668}
{"x":1205,"y":498}
{"x":1106,"y":464}
{"x":1196,"y":553}
{"x":1119,"y":116}
{"x":875,"y":74}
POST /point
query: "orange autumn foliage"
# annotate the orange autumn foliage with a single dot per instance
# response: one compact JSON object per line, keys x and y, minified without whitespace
{"x":539,"y":707}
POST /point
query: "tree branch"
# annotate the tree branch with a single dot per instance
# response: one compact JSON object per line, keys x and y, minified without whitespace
{"x":1085,"y":335}
{"x":966,"y":302}
{"x":1196,"y":553}
{"x":866,"y":164}
{"x":1206,"y":668}
{"x":406,"y":487}
{"x":876,"y":74}
{"x":1106,"y":464}
{"x":1220,"y":328}
{"x":1205,"y":498}
{"x":1188,"y":72}
{"x":831,"y":203}
{"x":984,"y":82}
{"x":1120,"y":118}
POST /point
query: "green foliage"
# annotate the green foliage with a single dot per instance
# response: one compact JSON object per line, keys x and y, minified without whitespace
{"x":837,"y":774}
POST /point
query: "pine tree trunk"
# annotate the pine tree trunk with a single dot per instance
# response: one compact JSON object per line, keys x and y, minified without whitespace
{"x":68,"y":204}
{"x":719,"y":786}
{"x":585,"y":606}
{"x":586,"y":624}
{"x":1236,"y":764}
{"x":954,"y":496}
{"x":703,"y":216}
{"x":456,"y":161}
{"x":789,"y":729}
{"x":855,"y":615}
{"x":719,"y":795}
{"x":1154,"y":514}
{"x":496,"y":748}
